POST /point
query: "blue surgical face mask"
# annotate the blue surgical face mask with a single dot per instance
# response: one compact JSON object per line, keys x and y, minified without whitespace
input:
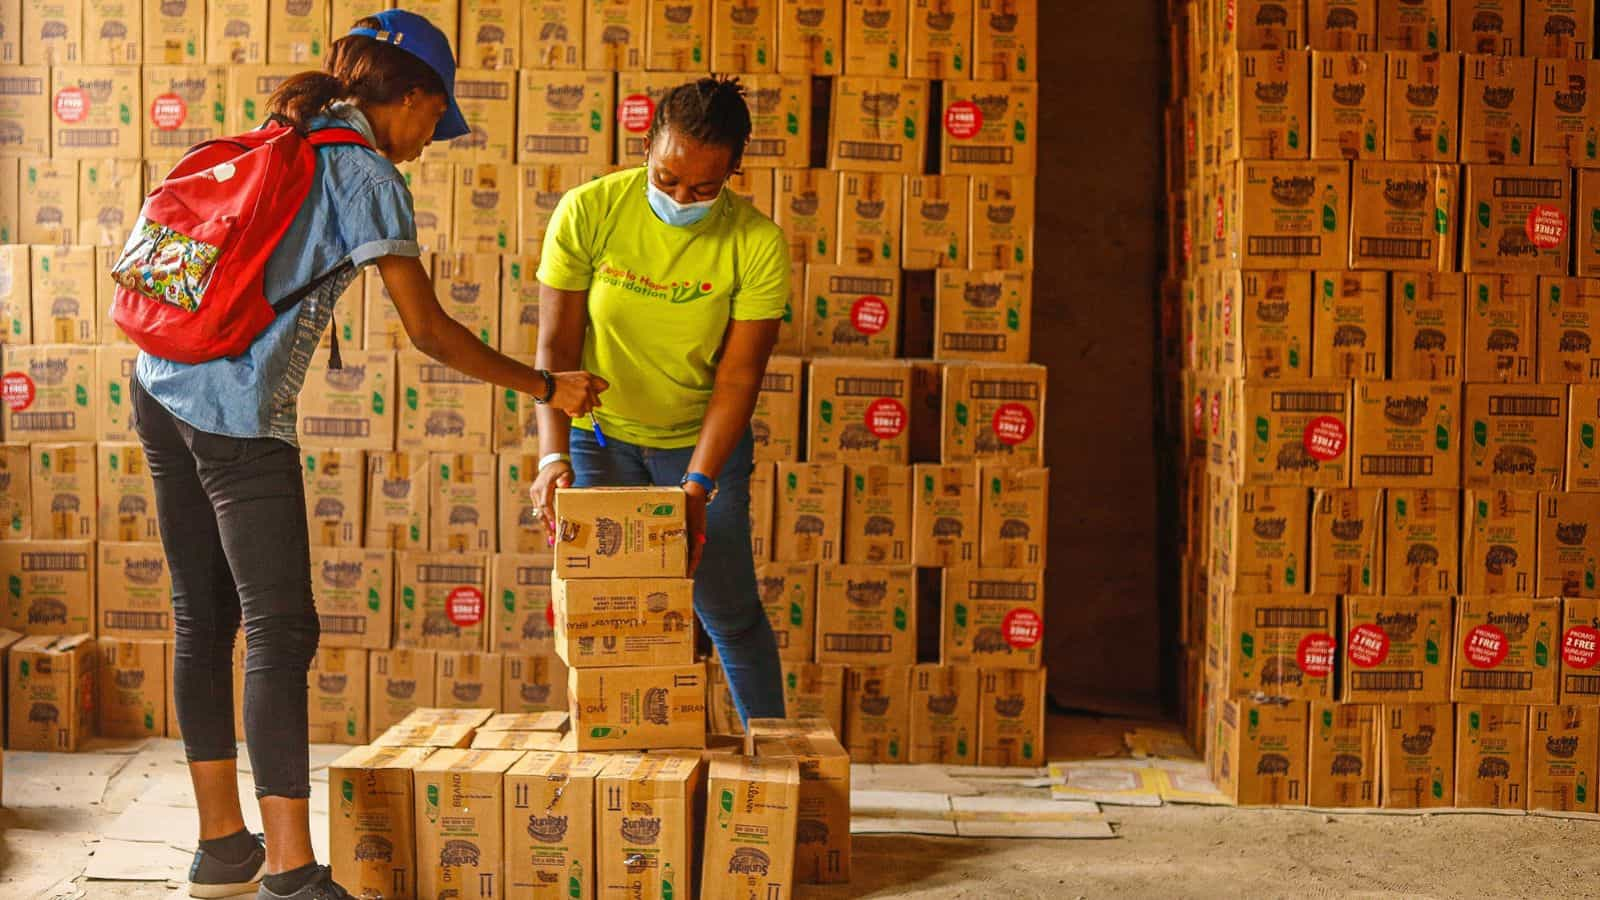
{"x":672,"y":212}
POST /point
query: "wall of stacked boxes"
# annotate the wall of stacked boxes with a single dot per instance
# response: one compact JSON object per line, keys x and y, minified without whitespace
{"x":899,"y":429}
{"x":1385,"y":305}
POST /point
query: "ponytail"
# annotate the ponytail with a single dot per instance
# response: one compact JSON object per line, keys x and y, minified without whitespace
{"x":303,"y":97}
{"x":359,"y":69}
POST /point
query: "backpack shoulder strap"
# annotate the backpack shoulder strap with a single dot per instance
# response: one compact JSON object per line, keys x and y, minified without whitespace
{"x":329,"y":137}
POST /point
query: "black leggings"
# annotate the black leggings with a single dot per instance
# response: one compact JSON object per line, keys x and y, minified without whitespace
{"x":233,"y":522}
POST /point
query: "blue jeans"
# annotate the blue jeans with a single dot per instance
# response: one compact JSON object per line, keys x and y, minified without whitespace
{"x":726,"y":599}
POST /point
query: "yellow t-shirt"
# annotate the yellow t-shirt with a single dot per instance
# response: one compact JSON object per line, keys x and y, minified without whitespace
{"x":661,"y":298}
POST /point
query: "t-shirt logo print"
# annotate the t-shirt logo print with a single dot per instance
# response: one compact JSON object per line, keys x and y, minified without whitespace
{"x":687,"y":291}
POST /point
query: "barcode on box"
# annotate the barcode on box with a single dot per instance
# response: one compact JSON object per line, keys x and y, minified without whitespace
{"x":1393,"y":248}
{"x":182,"y":137}
{"x":1497,"y":681}
{"x":98,"y":137}
{"x":320,"y":426}
{"x":549,"y":143}
{"x":1002,"y":590}
{"x":332,"y":624}
{"x":974,"y":343}
{"x":857,"y":643}
{"x":1533,"y":188}
{"x":868,"y":387}
{"x":1413,"y":466}
{"x":444,"y":573}
{"x":983,"y":155}
{"x":1588,"y":685}
{"x":860,"y":284}
{"x":123,"y":620}
{"x":867,"y":151}
{"x":768,"y":147}
{"x":1291,"y":618}
{"x":1510,"y":405}
{"x":1386,"y":681}
{"x":1284,"y":246}
{"x":44,"y":421}
{"x":1307,"y":402}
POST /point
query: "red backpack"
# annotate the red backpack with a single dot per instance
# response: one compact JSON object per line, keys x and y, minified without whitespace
{"x":189,"y":281}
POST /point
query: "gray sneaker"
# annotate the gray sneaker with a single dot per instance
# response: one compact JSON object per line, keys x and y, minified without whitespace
{"x":211,"y":878}
{"x":321,"y":887}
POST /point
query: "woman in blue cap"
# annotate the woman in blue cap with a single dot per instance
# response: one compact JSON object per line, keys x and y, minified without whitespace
{"x":220,"y":439}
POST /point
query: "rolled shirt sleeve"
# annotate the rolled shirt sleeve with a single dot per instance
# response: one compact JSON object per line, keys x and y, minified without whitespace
{"x":380,"y":221}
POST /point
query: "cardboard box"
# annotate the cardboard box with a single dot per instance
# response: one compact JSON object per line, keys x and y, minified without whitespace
{"x":16,"y":492}
{"x":51,"y":681}
{"x":638,"y":707}
{"x":25,"y":110}
{"x":1003,"y":222}
{"x":877,"y":713}
{"x":1413,"y":24}
{"x":940,"y":42}
{"x":1347,"y":541}
{"x":434,"y":727}
{"x":488,"y":100}
{"x":750,"y":842}
{"x":1418,"y":756}
{"x":809,"y":519}
{"x":1406,"y":434}
{"x":64,"y":294}
{"x":468,"y":287}
{"x":237,"y":32}
{"x":484,"y":192}
{"x":175,"y":33}
{"x":1586,"y":246}
{"x":1394,"y":649}
{"x":1580,"y":650}
{"x":16,"y":298}
{"x":441,"y":600}
{"x":984,"y":316}
{"x":1427,"y":327}
{"x":1566,"y":554}
{"x":1486,"y":26}
{"x":135,"y":591}
{"x":463,"y":497}
{"x":109,"y":198}
{"x":869,"y":218}
{"x":1343,"y":24}
{"x":789,"y":596}
{"x":552,"y":34}
{"x":443,"y":410}
{"x":460,"y":798}
{"x":1344,"y":756}
{"x":866,"y":615}
{"x":399,"y":681}
{"x":1515,"y":436}
{"x":550,"y":818}
{"x":990,"y":126}
{"x":51,"y":586}
{"x":815,"y":690}
{"x":944,"y":715}
{"x":1015,"y":517}
{"x":992,"y":618}
{"x":806,"y":207}
{"x":624,"y":621}
{"x":113,"y":33}
{"x":354,"y":588}
{"x":1562,"y":117}
{"x":64,"y":500}
{"x":946,"y":518}
{"x":246,"y":92}
{"x":491,"y":35}
{"x":59,"y":27}
{"x":877,"y":516}
{"x":566,"y":117}
{"x":520,"y":530}
{"x":744,"y":36}
{"x":95,"y":112}
{"x":1568,"y":328}
{"x":132,"y":696}
{"x":875,"y":37}
{"x":335,"y":487}
{"x":184,"y":107}
{"x":397,"y":501}
{"x":1268,"y":105}
{"x":338,"y":702}
{"x":620,"y":532}
{"x":1265,"y":319}
{"x":520,"y":588}
{"x":534,"y":682}
{"x":994,"y":412}
{"x":1282,"y":645}
{"x":677,"y":36}
{"x":47,"y":207}
{"x":1347,"y":105}
{"x":875,"y":124}
{"x":1287,"y":215}
{"x":1515,"y":220}
{"x":755,"y":186}
{"x":1422,"y":540}
{"x":1582,"y":474}
{"x":722,"y":716}
{"x":822,"y":850}
{"x":1505,"y":650}
{"x":1006,"y":40}
{"x":469,"y":679}
{"x":1501,"y":531}
{"x":615,"y":35}
{"x":539,"y":188}
{"x":1402,"y":216}
{"x":1424,"y":107}
{"x":1491,"y":756}
{"x":649,"y":818}
{"x":351,"y":407}
{"x":936,"y":221}
{"x":372,"y":845}
{"x":811,"y":37}
{"x":763,"y":502}
{"x":1558,"y":28}
{"x":854,"y":311}
{"x":776,"y":420}
{"x":1262,"y":754}
{"x":1563,"y":749}
{"x":1260,"y":537}
{"x":1497,"y":101}
{"x":433,"y":194}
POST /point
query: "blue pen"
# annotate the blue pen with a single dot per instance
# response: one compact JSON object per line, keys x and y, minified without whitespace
{"x":599,"y":436}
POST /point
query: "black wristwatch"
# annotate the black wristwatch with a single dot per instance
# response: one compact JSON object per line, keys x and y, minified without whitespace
{"x":549,"y":387}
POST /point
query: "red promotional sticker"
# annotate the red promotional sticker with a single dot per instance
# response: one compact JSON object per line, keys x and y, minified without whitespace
{"x":635,"y":112}
{"x":464,"y":606}
{"x":1325,"y":438}
{"x":886,"y":418}
{"x":1227,"y":312}
{"x":1216,"y":414}
{"x":1580,"y":647}
{"x":1199,"y":416}
{"x":1316,"y":655}
{"x":1486,"y":646}
{"x":550,"y":614}
{"x":1367,"y":646}
{"x":963,"y":120}
{"x":72,"y":105}
{"x":16,"y":389}
{"x":1022,"y":628}
{"x":1220,"y":228}
{"x":1546,"y":226}
{"x":870,"y":315}
{"x":1013,"y":423}
{"x":168,"y":111}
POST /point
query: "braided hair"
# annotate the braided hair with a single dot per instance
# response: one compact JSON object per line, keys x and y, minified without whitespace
{"x":709,"y":110}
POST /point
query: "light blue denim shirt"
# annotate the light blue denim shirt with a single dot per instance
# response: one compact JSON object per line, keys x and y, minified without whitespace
{"x":359,"y":209}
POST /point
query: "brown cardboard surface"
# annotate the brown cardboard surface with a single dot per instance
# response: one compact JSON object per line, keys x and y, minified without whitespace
{"x":1290,"y":215}
{"x":1395,"y":649}
{"x":1498,"y":547}
{"x":468,"y":287}
{"x":780,"y":116}
{"x":866,"y":615}
{"x":1265,"y":319}
{"x":550,"y":818}
{"x":113,"y":33}
{"x":1407,"y":434}
{"x":1486,"y":26}
{"x":677,"y":36}
{"x":459,"y":806}
{"x":1424,"y":107}
{"x":51,"y":682}
{"x":990,"y":126}
{"x":485,"y":190}
{"x":552,"y":34}
{"x":1262,"y":753}
{"x":875,"y":37}
{"x":65,"y":505}
{"x":1403,"y":216}
{"x":939,"y":44}
{"x":25,"y":110}
{"x":1350,"y":325}
{"x":763,"y":501}
{"x":822,"y":851}
{"x":878,"y":713}
{"x":1270,"y":108}
{"x":1015,"y":517}
{"x":354,"y":588}
{"x":488,"y":101}
{"x":1422,"y":541}
{"x":1344,"y":756}
{"x":638,"y":95}
{"x":756,"y":186}
{"x":1347,"y":105}
{"x":353,"y":406}
{"x":994,"y":412}
{"x":1582,"y":474}
{"x":776,"y":420}
{"x":852,"y":311}
{"x":540,"y":187}
{"x":1282,"y":645}
{"x":1006,"y":40}
{"x":450,"y":412}
{"x":52,"y":588}
{"x":744,"y":35}
{"x":751,"y":825}
{"x":398,"y":682}
{"x":372,"y":829}
{"x":789,"y":596}
{"x":1500,"y":200}
{"x":64,"y":293}
{"x":519,"y":598}
{"x":1563,"y":750}
{"x":338,"y":702}
{"x":815,"y":690}
{"x":397,"y":501}
{"x":875,"y":124}
{"x":47,"y":210}
{"x":1505,"y":650}
{"x":1418,"y":756}
{"x":335,"y":485}
{"x":1562,"y":115}
{"x":236,"y":32}
{"x":1497,"y":109}
{"x":859,"y":412}
{"x":1568,"y":326}
{"x":1586,"y":246}
{"x":806,"y":206}
{"x":1491,"y":756}
{"x":566,"y":116}
{"x":983,"y":316}
{"x":174,"y":33}
{"x":624,"y":621}
{"x":638,"y":708}
{"x":135,"y":591}
{"x":1567,"y":524}
{"x":944,"y":715}
{"x":1558,"y":28}
{"x":491,"y":35}
{"x":1342,"y":24}
{"x":16,"y":284}
{"x":1580,"y":650}
{"x":433,"y":194}
{"x":648,"y":826}
{"x":469,"y":679}
{"x":246,"y":92}
{"x":533,"y":682}
{"x":811,"y":37}
{"x":132,"y":694}
{"x":809,"y":512}
{"x":936,"y":220}
{"x":611,"y":532}
{"x":95,"y":111}
{"x":1427,"y":326}
{"x":109,"y":197}
{"x":462,"y":488}
{"x":869,"y":228}
{"x":16,"y":494}
{"x":1001,"y":236}
{"x":1261,"y":539}
{"x":1515,"y":436}
{"x":992,"y":618}
{"x":946,"y":518}
{"x":877,"y":515}
{"x":183,"y":106}
{"x":1347,"y":541}
{"x":520,"y":531}
{"x":441,"y":600}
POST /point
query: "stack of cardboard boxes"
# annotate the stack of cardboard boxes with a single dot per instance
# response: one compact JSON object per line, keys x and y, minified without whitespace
{"x":1379,"y":342}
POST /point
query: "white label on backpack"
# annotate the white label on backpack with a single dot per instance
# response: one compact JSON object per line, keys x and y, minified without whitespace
{"x":222,"y":172}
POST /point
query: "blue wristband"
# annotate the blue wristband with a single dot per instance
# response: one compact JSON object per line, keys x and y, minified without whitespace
{"x":703,"y":480}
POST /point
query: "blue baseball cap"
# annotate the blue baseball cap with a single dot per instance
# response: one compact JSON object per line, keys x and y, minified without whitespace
{"x":417,"y":36}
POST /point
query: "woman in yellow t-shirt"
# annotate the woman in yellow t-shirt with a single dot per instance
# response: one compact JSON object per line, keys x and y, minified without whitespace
{"x":671,"y":288}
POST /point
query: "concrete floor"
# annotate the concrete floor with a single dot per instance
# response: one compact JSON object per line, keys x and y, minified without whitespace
{"x":1160,"y":852}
